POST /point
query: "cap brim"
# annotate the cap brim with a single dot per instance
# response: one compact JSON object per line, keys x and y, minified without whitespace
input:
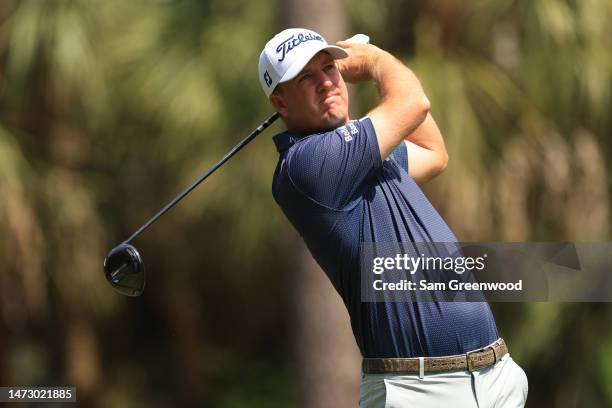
{"x":296,"y":68}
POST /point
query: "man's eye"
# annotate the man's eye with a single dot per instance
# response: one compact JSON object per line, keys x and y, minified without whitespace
{"x":329,"y":67}
{"x":305,"y":76}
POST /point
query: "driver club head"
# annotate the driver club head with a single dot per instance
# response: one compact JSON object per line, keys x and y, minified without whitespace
{"x":123,"y":265}
{"x":124,"y":269}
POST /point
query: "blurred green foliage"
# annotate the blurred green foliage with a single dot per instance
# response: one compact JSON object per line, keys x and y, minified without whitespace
{"x":110,"y":108}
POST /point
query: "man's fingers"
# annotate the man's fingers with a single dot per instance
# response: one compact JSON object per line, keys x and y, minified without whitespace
{"x":341,"y":66}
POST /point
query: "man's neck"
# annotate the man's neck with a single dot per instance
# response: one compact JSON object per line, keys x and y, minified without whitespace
{"x":304,"y":131}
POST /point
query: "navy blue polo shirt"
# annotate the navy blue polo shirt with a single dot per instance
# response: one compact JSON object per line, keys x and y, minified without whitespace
{"x":337,"y":192}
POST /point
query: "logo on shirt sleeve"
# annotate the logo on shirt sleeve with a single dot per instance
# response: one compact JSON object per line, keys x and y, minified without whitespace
{"x":347,"y":133}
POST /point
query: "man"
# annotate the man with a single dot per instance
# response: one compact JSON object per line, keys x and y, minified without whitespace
{"x":342,"y":183}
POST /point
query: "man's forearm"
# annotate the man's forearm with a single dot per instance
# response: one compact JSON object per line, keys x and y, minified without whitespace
{"x":401,"y":94}
{"x":427,"y":152}
{"x":398,"y":85}
{"x":403,"y":105}
{"x":427,"y":155}
{"x":428,"y":136}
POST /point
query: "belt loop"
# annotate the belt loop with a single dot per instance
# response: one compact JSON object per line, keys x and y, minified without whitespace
{"x":496,"y":344}
{"x":421,"y":367}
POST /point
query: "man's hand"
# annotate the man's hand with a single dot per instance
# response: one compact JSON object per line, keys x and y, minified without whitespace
{"x":361,"y":63}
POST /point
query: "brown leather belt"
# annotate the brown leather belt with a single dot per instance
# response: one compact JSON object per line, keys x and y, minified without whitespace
{"x":470,"y":361}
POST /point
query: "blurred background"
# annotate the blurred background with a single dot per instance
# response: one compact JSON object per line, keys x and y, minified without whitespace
{"x":110,"y":108}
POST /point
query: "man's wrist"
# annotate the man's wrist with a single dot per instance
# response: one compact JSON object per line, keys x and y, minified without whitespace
{"x":375,"y":59}
{"x":381,"y":59}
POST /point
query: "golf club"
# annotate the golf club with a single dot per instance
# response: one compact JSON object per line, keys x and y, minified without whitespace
{"x":123,"y":265}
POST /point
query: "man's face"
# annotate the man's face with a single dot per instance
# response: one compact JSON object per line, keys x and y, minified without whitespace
{"x":315,"y":100}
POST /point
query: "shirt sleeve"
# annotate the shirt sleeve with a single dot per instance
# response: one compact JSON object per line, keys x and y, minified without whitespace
{"x":400,"y":156}
{"x":330,"y":167}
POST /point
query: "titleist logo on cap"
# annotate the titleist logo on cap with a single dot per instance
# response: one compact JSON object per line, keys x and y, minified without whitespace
{"x":292,"y":42}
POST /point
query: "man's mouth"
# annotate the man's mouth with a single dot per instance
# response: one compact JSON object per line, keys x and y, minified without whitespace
{"x":328,"y":100}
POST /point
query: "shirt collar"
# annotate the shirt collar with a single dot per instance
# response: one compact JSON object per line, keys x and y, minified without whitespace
{"x":285,"y":140}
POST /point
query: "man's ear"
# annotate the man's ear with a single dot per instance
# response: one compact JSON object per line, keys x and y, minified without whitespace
{"x":278,"y":102}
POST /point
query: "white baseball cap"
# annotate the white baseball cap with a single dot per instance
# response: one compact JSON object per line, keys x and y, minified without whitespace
{"x":286,"y":54}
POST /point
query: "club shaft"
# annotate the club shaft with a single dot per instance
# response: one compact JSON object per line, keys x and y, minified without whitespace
{"x":210,"y":171}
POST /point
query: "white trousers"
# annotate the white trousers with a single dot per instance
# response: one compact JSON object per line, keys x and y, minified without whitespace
{"x":503,"y":385}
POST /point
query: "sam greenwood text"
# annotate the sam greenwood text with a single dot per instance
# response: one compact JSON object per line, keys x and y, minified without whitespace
{"x":453,"y":285}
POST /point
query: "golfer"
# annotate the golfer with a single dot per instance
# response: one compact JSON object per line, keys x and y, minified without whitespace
{"x":342,"y":182}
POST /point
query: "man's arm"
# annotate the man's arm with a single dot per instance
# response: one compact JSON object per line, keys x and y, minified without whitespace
{"x":427,"y":155}
{"x":403,"y":109}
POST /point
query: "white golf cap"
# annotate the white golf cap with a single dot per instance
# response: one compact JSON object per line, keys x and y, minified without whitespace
{"x":286,"y":54}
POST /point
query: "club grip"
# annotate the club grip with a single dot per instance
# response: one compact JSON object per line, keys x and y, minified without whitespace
{"x":359,"y":39}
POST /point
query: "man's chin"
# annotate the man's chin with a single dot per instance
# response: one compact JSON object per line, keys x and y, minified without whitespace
{"x":331,"y":121}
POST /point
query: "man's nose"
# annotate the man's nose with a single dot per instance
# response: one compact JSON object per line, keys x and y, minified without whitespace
{"x":324,"y":82}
